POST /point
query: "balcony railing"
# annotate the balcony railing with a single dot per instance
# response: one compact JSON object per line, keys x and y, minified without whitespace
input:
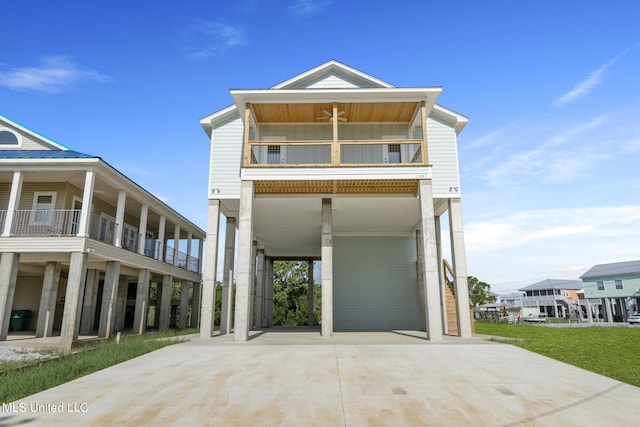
{"x":56,"y":222}
{"x":387,"y":152}
{"x":66,"y":222}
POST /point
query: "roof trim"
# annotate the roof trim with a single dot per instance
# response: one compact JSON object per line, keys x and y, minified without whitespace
{"x":329,"y":65}
{"x":35,"y":134}
{"x":458,"y":119}
{"x":613,"y":269}
{"x":554,"y":284}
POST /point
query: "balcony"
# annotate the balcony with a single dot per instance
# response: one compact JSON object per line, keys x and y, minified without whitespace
{"x":65,"y":223}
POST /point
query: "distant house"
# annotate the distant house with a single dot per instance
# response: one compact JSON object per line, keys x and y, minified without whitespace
{"x":80,"y":244}
{"x":555,"y":298}
{"x":617,"y":285}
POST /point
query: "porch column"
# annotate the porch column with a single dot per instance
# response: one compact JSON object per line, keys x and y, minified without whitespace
{"x":161,"y":227}
{"x":327,"y":269}
{"x":14,"y":201}
{"x":8,"y":276}
{"x":109,"y":297}
{"x":420,"y":273}
{"x":73,"y":298}
{"x":165,"y":302}
{"x":310,"y":285}
{"x":433,"y":317}
{"x":142,"y":230}
{"x":243,"y":275}
{"x":48,"y":298}
{"x":189,"y":241}
{"x":184,"y":304}
{"x":89,"y":301}
{"x":200,"y":252}
{"x":259,"y":290}
{"x":195,"y":304}
{"x":121,"y":302}
{"x":122,"y":201}
{"x":252,"y":282}
{"x":459,"y":267}
{"x":269,"y":295}
{"x":589,"y":313}
{"x":607,"y":304}
{"x":176,"y":244}
{"x":142,"y":302}
{"x":227,"y":276}
{"x":87,"y":201}
{"x":210,"y":267}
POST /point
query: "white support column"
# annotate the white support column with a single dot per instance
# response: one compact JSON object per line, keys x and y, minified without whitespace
{"x":44,"y":327}
{"x":142,"y":230}
{"x":327,"y":269}
{"x":310,"y":285}
{"x":121,"y":302}
{"x":210,"y":269}
{"x":184,"y":304}
{"x":258,"y":306}
{"x":122,"y":201}
{"x":200,"y":252}
{"x":227,"y":276}
{"x":142,"y":302}
{"x":195,"y":304}
{"x":432,"y":289}
{"x":243,"y":279}
{"x":189,"y":242}
{"x":420,"y":274}
{"x":89,"y":301}
{"x":109,"y":298}
{"x":165,"y":302}
{"x":607,"y":307}
{"x":459,"y":268}
{"x":269,"y":295}
{"x":73,"y":298}
{"x":176,"y":243}
{"x":8,"y":276}
{"x":14,"y":201}
{"x":589,"y":313}
{"x":161,"y":229}
{"x":87,"y":201}
{"x":252,"y":282}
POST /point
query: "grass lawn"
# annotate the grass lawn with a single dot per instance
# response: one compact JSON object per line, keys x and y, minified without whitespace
{"x":19,"y":381}
{"x":614,"y":352}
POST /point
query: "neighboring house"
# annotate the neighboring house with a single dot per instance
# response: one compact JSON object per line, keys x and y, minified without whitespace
{"x":555,"y":298}
{"x":337,"y":166}
{"x":80,"y":243}
{"x":617,"y":285}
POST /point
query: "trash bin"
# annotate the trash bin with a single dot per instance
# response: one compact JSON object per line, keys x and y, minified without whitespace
{"x":20,"y":319}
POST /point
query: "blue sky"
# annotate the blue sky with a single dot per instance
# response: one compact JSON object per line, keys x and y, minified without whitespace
{"x":548,"y":160}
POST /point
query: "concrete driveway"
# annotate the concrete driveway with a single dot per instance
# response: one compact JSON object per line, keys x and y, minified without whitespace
{"x":297,"y":378}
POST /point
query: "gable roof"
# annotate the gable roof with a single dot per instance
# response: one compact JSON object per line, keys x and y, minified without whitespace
{"x":612,"y":269}
{"x":365,"y":86}
{"x":554,"y":284}
{"x":34,"y":134}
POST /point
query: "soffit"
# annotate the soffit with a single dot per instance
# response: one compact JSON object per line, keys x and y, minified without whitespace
{"x":362,"y":112}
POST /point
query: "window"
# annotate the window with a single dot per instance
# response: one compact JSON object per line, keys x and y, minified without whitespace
{"x":619,"y":284}
{"x":394,"y":153}
{"x":273,"y":154}
{"x":43,"y":204}
{"x":600,"y":284}
{"x":8,"y":138}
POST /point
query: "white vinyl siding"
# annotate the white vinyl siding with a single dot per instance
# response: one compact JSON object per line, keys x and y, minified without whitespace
{"x":330,"y":80}
{"x":375,"y":285}
{"x":226,"y":158}
{"x":443,"y":156}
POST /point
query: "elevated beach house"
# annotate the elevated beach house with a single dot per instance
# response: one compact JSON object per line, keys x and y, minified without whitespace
{"x":337,"y":166}
{"x":617,"y":286}
{"x":80,"y":244}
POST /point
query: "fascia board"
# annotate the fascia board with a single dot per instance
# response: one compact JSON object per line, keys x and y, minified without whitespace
{"x":457,"y":119}
{"x":209,"y":121}
{"x":330,"y":174}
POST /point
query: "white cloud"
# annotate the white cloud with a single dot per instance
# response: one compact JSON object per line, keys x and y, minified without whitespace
{"x":214,"y":37}
{"x":53,"y":74}
{"x":592,"y":80}
{"x":308,"y":7}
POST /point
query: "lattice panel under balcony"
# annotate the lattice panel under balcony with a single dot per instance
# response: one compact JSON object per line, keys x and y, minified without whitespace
{"x":369,"y":186}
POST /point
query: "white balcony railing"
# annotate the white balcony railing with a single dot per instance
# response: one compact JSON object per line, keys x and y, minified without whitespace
{"x":55,"y":222}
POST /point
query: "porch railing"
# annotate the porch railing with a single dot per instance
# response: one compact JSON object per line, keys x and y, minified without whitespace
{"x":55,"y":222}
{"x":401,"y":152}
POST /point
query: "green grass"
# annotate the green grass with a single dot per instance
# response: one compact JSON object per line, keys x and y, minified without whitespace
{"x":21,"y":381}
{"x":613,"y":352}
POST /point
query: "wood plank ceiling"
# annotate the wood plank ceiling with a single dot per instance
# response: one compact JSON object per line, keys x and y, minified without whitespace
{"x":365,"y":112}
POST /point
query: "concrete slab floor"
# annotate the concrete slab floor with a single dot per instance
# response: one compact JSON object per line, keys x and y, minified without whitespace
{"x":352,"y":379}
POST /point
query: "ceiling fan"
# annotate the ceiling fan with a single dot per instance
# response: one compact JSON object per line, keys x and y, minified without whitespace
{"x":329,"y":116}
